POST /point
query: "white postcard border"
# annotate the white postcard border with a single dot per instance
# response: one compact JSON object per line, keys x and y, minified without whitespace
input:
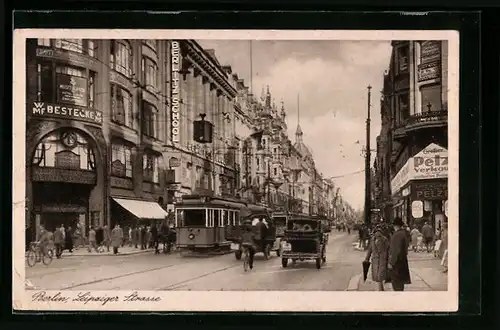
{"x":265,"y":301}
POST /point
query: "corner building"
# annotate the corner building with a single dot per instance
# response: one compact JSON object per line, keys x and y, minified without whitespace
{"x":96,"y":127}
{"x":415,"y":133}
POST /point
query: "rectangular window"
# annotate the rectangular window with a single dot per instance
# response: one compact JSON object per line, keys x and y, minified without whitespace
{"x":149,"y":120}
{"x":121,"y":161}
{"x":121,"y":106}
{"x":431,"y":97}
{"x":45,"y":82}
{"x":150,"y":73}
{"x":82,"y":46}
{"x":403,"y":108}
{"x":44,"y":42}
{"x":121,"y":57}
{"x":402,"y":58}
{"x":151,"y":167}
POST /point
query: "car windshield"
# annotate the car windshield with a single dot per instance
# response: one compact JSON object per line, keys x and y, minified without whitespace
{"x":302,"y":225}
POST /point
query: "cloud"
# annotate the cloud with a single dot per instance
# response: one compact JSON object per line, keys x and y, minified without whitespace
{"x":331,"y":80}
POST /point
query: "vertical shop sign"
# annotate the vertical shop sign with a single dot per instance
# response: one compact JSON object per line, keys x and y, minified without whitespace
{"x":417,"y":209}
{"x":174,"y":107}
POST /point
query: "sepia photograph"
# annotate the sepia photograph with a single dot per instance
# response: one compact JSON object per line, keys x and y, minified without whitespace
{"x":189,"y":170}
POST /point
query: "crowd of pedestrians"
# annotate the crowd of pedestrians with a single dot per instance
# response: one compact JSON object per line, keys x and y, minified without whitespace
{"x":101,"y":239}
{"x":387,"y":250}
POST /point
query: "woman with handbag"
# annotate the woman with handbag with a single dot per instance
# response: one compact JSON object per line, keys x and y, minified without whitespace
{"x":378,"y":251}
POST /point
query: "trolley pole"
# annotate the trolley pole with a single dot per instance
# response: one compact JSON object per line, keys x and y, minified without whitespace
{"x":367,"y":164}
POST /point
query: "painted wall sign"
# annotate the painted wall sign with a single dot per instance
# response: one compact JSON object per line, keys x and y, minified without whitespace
{"x":72,"y":90}
{"x":49,"y":110}
{"x":175,"y":94}
{"x":174,"y":162}
{"x":124,"y":183}
{"x":63,"y":175}
{"x":430,"y":163}
{"x":429,"y":71}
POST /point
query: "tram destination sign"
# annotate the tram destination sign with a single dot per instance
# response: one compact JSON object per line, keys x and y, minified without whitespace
{"x":49,"y":110}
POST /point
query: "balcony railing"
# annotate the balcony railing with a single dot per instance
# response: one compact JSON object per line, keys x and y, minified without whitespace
{"x":428,"y":117}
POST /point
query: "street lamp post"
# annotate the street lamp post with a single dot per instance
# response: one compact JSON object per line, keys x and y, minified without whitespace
{"x":367,"y":163}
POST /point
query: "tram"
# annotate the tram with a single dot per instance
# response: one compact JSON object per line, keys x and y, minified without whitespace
{"x":204,"y":222}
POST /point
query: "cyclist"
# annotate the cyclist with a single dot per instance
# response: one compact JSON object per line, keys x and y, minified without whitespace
{"x":44,"y":241}
{"x":248,"y":241}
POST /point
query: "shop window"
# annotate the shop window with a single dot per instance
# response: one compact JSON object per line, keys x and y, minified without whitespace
{"x":121,"y":106}
{"x":431,"y":97}
{"x":121,"y":160}
{"x":65,"y":149}
{"x":151,"y":43}
{"x":149,"y":120}
{"x":82,"y":46}
{"x":151,"y":167}
{"x":150,"y":73}
{"x":121,"y":57}
{"x":45,"y":82}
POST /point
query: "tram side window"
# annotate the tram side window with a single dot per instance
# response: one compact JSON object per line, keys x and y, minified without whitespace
{"x":217,"y":218}
{"x":236,"y":218}
{"x":194,"y":218}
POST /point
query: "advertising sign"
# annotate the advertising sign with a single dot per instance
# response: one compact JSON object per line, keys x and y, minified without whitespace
{"x":430,"y":190}
{"x":71,"y":89}
{"x":174,"y":107}
{"x":417,"y":209}
{"x":429,"y":71}
{"x":430,"y":51}
{"x":430,"y":163}
{"x":48,"y":110}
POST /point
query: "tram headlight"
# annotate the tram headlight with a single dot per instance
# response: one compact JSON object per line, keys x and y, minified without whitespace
{"x":191,"y":236}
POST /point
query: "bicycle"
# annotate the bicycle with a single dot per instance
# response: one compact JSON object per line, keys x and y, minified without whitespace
{"x":36,"y":255}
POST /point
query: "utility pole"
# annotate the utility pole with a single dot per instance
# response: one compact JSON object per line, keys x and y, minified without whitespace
{"x":367,"y":164}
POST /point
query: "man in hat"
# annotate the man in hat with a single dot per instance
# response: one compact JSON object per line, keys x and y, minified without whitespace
{"x":398,"y":257}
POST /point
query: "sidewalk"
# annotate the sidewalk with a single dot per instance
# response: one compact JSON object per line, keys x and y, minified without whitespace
{"x":426,"y":274}
{"x":123,"y":251}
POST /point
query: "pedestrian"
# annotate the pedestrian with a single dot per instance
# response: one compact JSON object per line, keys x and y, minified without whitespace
{"x":99,"y":235}
{"x":378,"y":251}
{"x":143,"y":237}
{"x":428,"y":235}
{"x":116,"y":238}
{"x":92,"y":240}
{"x":129,"y":234}
{"x":414,"y":238}
{"x":63,"y":231}
{"x":107,"y":237}
{"x":68,"y":240}
{"x":135,"y":236}
{"x":154,"y":238}
{"x":58,"y":242}
{"x":444,"y":247}
{"x":398,"y":257}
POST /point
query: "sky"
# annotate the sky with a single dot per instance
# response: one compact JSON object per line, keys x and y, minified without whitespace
{"x":329,"y":79}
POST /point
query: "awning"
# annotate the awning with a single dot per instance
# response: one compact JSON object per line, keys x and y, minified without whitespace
{"x":142,"y":209}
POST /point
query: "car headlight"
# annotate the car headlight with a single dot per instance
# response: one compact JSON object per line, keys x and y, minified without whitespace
{"x":191,"y":236}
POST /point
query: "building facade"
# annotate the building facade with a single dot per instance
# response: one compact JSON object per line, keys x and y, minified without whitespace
{"x":413,"y":147}
{"x":96,"y":126}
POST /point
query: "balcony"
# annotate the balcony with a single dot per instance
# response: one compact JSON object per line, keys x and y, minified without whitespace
{"x":427,"y":119}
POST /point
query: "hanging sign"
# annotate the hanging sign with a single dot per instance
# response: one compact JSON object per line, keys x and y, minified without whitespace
{"x":417,"y":209}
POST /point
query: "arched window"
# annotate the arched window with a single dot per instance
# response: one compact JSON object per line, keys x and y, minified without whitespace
{"x":121,"y":57}
{"x":65,"y":149}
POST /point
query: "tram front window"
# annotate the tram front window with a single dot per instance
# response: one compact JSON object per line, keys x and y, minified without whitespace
{"x":280,"y":221}
{"x":194,"y":218}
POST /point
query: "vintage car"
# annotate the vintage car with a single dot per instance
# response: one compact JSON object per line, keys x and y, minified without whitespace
{"x":304,"y":240}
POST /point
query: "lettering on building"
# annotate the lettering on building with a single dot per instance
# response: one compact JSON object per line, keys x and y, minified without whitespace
{"x":174,"y":107}
{"x":429,"y":71}
{"x":42,"y":109}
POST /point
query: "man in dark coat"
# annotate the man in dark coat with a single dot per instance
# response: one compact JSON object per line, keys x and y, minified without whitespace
{"x":154,"y":237}
{"x":69,"y":240}
{"x":398,"y":257}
